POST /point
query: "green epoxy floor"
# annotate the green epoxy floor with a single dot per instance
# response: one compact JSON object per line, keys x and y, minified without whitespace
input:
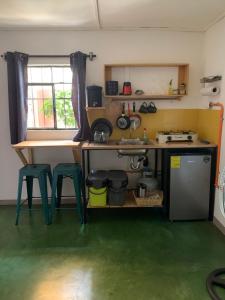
{"x":132,"y":254}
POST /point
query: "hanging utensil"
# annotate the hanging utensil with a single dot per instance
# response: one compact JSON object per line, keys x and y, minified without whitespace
{"x":135,"y":119}
{"x":123,"y":122}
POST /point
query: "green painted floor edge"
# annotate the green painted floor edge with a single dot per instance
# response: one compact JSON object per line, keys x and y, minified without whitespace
{"x":119,"y":254}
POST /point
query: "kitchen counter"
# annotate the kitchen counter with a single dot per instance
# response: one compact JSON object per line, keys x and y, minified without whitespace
{"x":113,"y":145}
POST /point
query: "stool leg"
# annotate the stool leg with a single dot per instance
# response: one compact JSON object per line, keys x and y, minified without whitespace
{"x":29,"y":180}
{"x":53,"y":198}
{"x":18,"y":202}
{"x":81,"y":182}
{"x":50,"y":177}
{"x":59,"y":191}
{"x":77,"y":188}
{"x":44,"y":195}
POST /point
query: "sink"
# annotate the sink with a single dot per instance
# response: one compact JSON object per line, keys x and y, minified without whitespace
{"x":133,"y":152}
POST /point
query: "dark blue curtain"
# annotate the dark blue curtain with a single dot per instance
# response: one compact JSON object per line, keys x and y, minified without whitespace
{"x":78,"y":67}
{"x":17,"y":93}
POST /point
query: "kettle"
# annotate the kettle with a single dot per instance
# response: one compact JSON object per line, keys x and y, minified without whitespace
{"x":101,"y":137}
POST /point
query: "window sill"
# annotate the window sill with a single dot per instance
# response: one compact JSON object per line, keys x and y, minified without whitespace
{"x":36,"y":135}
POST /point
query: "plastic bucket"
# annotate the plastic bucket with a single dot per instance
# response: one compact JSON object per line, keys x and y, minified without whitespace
{"x":97,"y":179}
{"x":97,"y":197}
{"x":116,"y":197}
{"x":117,"y":179}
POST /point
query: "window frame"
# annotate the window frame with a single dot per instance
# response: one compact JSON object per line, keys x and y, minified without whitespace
{"x":52,"y":84}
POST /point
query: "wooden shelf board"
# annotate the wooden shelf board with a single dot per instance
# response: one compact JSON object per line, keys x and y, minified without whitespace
{"x":129,"y":202}
{"x":147,"y":65}
{"x":95,"y":108}
{"x":144,"y":97}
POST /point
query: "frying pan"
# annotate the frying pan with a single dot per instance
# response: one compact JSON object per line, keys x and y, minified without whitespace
{"x":135,"y":119}
{"x":123,"y":122}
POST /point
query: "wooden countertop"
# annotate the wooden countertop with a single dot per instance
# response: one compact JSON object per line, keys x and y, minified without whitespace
{"x":113,"y":145}
{"x":47,"y":143}
{"x":31,"y":145}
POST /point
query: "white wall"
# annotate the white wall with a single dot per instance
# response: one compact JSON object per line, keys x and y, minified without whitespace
{"x":110,"y":47}
{"x":214,"y":64}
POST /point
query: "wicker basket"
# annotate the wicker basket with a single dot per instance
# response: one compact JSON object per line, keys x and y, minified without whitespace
{"x":153,"y":199}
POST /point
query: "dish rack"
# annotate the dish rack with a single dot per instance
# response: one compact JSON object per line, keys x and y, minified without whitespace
{"x":153,"y":199}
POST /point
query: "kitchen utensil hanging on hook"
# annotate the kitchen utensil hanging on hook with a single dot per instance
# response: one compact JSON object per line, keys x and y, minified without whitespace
{"x":123,"y":122}
{"x":135,"y":119}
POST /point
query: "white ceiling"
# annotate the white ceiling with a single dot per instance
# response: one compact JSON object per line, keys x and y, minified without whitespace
{"x":186,"y":15}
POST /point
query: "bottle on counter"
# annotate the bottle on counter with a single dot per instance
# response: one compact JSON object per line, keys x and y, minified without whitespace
{"x":145,"y":136}
{"x":170,"y":87}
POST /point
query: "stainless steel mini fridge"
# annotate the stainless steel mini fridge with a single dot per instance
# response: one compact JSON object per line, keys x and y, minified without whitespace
{"x":189,"y":189}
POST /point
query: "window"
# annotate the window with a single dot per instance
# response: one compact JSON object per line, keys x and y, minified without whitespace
{"x":49,"y":98}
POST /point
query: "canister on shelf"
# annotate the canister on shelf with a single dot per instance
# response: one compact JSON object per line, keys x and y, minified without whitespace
{"x":142,"y":190}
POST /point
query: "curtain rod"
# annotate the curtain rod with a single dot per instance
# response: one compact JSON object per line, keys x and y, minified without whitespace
{"x":90,"y":55}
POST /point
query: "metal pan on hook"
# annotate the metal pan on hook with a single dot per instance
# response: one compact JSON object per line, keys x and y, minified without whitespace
{"x":123,"y":122}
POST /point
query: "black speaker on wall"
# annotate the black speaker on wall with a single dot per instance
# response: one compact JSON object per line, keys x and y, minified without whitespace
{"x":94,"y":95}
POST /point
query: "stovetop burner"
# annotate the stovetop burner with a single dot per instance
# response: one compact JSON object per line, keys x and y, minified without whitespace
{"x":167,"y":136}
{"x":171,"y":132}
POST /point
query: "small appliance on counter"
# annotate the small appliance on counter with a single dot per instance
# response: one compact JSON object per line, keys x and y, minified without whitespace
{"x":94,"y":96}
{"x":101,"y":130}
{"x":176,"y":136}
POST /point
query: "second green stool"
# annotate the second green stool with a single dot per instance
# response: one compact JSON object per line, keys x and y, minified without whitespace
{"x":63,"y":170}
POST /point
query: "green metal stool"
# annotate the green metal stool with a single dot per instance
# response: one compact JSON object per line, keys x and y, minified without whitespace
{"x":72,"y":170}
{"x":31,"y":171}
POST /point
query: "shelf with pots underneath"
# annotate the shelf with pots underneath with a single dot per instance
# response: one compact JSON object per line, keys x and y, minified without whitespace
{"x":144,"y":97}
{"x":133,"y":201}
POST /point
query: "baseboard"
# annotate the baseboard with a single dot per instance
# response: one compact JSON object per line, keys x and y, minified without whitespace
{"x":36,"y":201}
{"x":219,"y":225}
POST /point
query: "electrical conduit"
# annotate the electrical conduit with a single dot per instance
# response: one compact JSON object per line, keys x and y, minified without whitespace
{"x":211,"y":105}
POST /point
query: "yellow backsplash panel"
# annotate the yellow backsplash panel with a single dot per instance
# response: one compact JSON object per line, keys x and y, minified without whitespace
{"x":204,"y":121}
{"x":208,"y":124}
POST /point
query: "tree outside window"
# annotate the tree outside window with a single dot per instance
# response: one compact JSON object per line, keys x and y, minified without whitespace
{"x":49,"y":98}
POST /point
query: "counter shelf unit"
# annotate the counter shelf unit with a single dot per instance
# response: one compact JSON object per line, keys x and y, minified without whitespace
{"x":113,"y":145}
{"x":182,"y":70}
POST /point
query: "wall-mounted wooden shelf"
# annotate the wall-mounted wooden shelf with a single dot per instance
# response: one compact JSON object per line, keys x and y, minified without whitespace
{"x":99,"y":108}
{"x":144,"y":97}
{"x":182,"y":78}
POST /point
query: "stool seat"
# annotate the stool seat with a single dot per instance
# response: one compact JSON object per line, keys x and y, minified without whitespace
{"x":31,"y":171}
{"x":73,"y":171}
{"x":67,"y":169}
{"x":35,"y":170}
